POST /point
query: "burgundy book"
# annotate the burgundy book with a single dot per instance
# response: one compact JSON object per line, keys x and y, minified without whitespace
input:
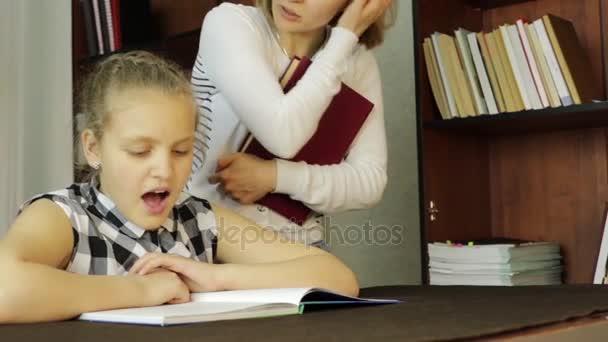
{"x":329,"y":144}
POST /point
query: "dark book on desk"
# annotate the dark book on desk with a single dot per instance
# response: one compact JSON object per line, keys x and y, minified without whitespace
{"x":227,"y":305}
{"x":336,"y":131}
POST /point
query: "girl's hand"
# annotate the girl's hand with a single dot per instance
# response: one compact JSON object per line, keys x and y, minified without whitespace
{"x":360,"y":14}
{"x":197,"y":276}
{"x":245,"y":177}
{"x":162,"y":287}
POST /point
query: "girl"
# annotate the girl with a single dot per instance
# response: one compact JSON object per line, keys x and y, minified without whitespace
{"x":130,"y":237}
{"x":243,"y":52}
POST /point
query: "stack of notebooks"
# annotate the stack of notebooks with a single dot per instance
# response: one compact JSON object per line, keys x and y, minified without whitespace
{"x":521,"y":66}
{"x":499,"y":262}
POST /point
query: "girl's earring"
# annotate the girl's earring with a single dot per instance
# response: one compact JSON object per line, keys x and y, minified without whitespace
{"x":96,"y":165}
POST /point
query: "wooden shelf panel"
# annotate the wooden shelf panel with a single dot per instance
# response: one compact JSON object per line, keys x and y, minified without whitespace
{"x":562,"y":118}
{"x":186,"y":44}
{"x":487,"y":4}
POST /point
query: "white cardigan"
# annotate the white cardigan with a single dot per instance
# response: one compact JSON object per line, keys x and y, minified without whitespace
{"x":235,"y":81}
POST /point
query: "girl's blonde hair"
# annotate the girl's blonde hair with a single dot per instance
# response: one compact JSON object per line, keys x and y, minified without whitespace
{"x":115,"y":74}
{"x":372,"y":37}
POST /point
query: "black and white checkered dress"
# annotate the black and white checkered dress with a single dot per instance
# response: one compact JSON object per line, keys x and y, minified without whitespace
{"x":106,"y":243}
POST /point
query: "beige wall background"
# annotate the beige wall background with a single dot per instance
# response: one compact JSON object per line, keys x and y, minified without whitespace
{"x":35,"y":101}
{"x":379,"y":260}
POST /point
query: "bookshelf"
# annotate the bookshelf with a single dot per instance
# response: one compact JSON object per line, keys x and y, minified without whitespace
{"x":169,"y":28}
{"x":165,"y":26}
{"x":533,"y":175}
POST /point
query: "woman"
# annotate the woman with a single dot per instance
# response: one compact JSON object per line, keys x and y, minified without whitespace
{"x":243,"y":52}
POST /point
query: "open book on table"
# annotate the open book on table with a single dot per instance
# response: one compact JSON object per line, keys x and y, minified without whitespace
{"x":225,"y":305}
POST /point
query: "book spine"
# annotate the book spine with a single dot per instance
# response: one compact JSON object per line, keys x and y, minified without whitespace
{"x":103,"y":20}
{"x":504,"y":33}
{"x":524,"y":68}
{"x":557,"y":49}
{"x":89,"y":26}
{"x":602,"y":258}
{"x":97,"y":18}
{"x":444,"y":76}
{"x":488,"y":95}
{"x":116,"y":23}
{"x":510,"y":95}
{"x":464,"y":98}
{"x":472,"y":77}
{"x":431,"y":69}
{"x":110,"y":24}
{"x":532,"y":63}
{"x":517,"y":103}
{"x":492,"y":73}
{"x":545,"y":73}
{"x":560,"y":83}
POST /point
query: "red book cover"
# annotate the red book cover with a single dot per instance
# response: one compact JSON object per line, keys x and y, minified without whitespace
{"x":329,"y":144}
{"x":116,"y":24}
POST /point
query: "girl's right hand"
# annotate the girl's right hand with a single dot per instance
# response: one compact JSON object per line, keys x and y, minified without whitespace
{"x":360,"y":14}
{"x":164,"y":287}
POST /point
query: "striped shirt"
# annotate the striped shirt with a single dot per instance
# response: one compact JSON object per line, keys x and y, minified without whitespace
{"x":106,"y":243}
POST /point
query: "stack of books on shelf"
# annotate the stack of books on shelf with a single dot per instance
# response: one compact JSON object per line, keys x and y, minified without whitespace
{"x":521,"y":66}
{"x":497,"y":262}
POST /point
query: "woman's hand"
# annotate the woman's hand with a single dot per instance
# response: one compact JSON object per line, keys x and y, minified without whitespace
{"x":162,"y":287}
{"x":197,"y":276}
{"x":245,"y":177}
{"x":360,"y":14}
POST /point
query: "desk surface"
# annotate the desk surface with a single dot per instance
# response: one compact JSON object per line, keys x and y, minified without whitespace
{"x":427,"y":313}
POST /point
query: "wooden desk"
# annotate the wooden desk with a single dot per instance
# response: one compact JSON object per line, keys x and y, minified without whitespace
{"x":593,"y":328}
{"x":428,"y":313}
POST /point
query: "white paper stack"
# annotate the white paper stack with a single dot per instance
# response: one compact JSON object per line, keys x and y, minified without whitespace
{"x":499,"y":264}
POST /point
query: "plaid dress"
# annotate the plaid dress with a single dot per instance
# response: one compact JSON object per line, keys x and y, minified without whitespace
{"x":106,"y":243}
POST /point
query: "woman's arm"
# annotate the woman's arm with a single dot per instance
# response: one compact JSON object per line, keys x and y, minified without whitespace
{"x":32,"y":255}
{"x":356,"y":183}
{"x":234,"y":52}
{"x":359,"y":181}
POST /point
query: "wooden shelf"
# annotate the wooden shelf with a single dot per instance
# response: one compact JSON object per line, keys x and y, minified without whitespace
{"x":536,"y":175}
{"x":163,"y":46}
{"x":488,"y":4}
{"x":550,"y":119}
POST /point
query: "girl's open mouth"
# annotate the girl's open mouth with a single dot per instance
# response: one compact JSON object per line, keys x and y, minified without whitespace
{"x":155,"y":201}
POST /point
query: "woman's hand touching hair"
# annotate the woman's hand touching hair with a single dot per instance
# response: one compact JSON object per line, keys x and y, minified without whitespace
{"x":360,"y":14}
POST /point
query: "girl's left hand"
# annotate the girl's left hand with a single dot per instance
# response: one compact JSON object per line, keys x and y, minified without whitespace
{"x":198,"y":276}
{"x":245,"y":177}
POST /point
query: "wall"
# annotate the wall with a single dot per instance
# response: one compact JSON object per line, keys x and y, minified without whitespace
{"x":376,"y":260}
{"x":36,"y":90}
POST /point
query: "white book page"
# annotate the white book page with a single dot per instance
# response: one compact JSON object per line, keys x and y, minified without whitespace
{"x":280,"y":295}
{"x":159,"y":314}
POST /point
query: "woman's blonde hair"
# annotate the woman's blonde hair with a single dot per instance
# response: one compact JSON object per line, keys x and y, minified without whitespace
{"x":372,"y":37}
{"x":115,"y":74}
